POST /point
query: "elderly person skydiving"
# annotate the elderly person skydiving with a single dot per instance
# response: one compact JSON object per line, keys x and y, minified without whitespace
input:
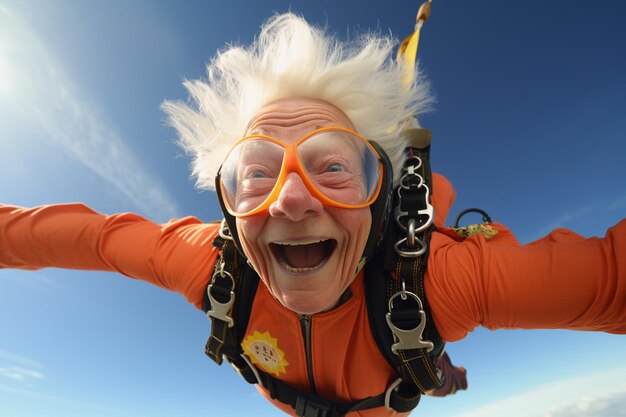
{"x":306,"y":136}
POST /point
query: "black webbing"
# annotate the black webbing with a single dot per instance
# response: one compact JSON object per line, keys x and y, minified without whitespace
{"x":415,"y":365}
{"x":224,"y":340}
{"x":310,"y":405}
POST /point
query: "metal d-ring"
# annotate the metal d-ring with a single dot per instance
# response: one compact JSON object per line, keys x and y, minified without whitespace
{"x":403,"y":295}
{"x":412,"y":253}
{"x":393,"y":387}
{"x":410,"y":234}
{"x":252,"y":367}
{"x":223,"y":273}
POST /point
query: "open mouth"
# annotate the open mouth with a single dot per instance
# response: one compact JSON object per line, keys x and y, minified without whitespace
{"x":303,"y":256}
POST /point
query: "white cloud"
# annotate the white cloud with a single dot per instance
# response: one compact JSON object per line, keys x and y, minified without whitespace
{"x":605,"y":405}
{"x":592,"y":211}
{"x":18,"y":368}
{"x":43,"y":91}
{"x":569,"y":217}
{"x":55,"y":401}
{"x":597,"y":395}
{"x":16,"y":380}
{"x":618,"y":204}
{"x":19,"y":374}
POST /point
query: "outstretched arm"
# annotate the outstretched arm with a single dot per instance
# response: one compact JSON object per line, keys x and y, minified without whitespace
{"x":177,"y":255}
{"x":561,"y":282}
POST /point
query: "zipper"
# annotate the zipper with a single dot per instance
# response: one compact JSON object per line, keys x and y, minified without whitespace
{"x":305,"y":327}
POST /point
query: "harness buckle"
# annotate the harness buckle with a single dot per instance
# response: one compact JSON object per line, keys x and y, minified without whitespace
{"x":412,"y":338}
{"x":219,"y":310}
{"x":306,"y":407}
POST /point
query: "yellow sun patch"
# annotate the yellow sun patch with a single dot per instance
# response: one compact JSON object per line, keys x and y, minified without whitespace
{"x":263,"y":350}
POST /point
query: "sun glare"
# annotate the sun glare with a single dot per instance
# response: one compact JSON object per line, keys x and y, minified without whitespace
{"x":7,"y":78}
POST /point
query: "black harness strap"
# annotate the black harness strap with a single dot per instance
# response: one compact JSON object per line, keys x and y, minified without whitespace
{"x":228,"y":303}
{"x":310,"y":405}
{"x":408,"y":340}
{"x":418,"y":363}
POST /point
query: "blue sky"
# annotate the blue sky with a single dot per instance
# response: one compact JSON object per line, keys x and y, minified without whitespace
{"x":529,"y":125}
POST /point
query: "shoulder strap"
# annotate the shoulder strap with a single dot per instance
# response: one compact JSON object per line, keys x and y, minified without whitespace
{"x":228,"y":301}
{"x":397,"y":306}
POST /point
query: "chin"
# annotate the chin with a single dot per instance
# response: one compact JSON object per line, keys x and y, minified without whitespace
{"x":304,"y":303}
{"x":306,"y":293}
{"x":304,"y":308}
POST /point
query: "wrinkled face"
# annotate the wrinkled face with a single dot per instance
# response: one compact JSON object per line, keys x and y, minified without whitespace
{"x":306,"y":253}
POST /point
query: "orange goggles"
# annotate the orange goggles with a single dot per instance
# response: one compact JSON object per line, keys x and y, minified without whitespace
{"x":337,"y":165}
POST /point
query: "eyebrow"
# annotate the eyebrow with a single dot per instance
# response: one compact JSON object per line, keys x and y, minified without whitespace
{"x":256,"y":132}
{"x":261,"y":131}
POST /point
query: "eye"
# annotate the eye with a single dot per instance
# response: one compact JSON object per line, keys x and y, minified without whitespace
{"x":257,"y":173}
{"x":335,"y":167}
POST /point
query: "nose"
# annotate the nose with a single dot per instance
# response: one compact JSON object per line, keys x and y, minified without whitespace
{"x":295,"y":202}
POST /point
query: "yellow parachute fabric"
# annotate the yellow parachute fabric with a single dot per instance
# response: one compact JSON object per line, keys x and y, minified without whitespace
{"x":407,"y":53}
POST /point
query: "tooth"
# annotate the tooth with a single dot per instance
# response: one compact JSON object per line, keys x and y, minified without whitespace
{"x":292,"y":269}
{"x":300,"y":243}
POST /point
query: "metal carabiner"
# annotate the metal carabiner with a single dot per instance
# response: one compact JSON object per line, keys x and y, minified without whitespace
{"x":410,"y":173}
{"x":428,"y":211}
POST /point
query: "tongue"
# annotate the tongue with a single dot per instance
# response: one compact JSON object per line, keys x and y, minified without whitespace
{"x":304,"y":256}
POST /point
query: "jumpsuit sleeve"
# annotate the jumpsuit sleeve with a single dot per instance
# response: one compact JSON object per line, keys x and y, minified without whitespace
{"x":560,"y":282}
{"x":177,"y":255}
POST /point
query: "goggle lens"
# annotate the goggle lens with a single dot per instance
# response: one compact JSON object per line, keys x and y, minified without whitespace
{"x":337,"y":166}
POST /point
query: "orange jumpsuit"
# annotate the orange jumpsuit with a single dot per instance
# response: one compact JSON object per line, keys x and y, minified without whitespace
{"x":561,"y":281}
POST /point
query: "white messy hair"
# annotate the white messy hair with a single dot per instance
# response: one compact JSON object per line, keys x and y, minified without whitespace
{"x":291,"y":58}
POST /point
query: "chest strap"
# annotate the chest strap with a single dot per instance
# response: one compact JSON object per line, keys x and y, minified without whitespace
{"x":228,"y":301}
{"x":310,"y":405}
